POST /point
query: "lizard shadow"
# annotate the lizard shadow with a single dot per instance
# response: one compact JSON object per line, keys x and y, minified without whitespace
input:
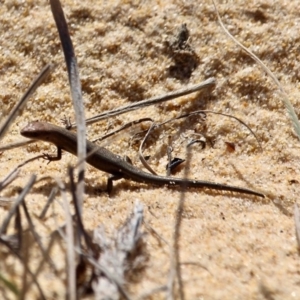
{"x":137,"y":187}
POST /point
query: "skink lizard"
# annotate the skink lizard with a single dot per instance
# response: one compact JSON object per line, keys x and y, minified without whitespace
{"x":104,"y":160}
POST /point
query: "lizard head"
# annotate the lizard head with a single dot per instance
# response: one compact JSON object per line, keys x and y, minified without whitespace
{"x":37,"y":130}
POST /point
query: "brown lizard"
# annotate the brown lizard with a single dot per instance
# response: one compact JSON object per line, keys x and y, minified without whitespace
{"x":104,"y":160}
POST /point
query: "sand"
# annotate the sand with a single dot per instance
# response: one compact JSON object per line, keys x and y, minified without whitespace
{"x":232,"y":246}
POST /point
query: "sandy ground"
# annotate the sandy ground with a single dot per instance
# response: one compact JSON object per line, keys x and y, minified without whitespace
{"x":231,"y":246}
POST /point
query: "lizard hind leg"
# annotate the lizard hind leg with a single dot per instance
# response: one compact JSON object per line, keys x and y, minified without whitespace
{"x":110,"y":180}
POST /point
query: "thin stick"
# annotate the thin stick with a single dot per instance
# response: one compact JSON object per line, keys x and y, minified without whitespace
{"x":82,"y":231}
{"x":42,"y":296}
{"x":14,"y":173}
{"x":76,"y":93}
{"x":70,"y":256}
{"x":147,"y":295}
{"x":141,"y":157}
{"x":19,"y":200}
{"x":16,"y":145}
{"x":285,"y":99}
{"x":158,"y":236}
{"x":297,"y":223}
{"x":19,"y":106}
{"x":197,"y":264}
{"x":46,"y":256}
{"x":49,"y":201}
{"x":25,"y":260}
{"x":127,"y":125}
{"x":19,"y":229}
{"x":151,"y":101}
{"x":212,"y":112}
{"x":175,"y":269}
